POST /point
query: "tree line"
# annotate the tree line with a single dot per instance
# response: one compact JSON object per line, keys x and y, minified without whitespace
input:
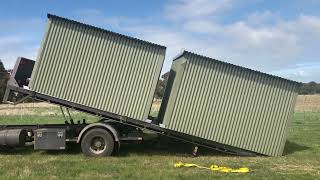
{"x":310,"y":88}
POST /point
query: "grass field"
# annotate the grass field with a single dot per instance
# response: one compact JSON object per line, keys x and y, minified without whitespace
{"x":301,"y":159}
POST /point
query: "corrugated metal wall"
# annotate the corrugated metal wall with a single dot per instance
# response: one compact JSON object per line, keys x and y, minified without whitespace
{"x":97,"y":68}
{"x":228,"y":104}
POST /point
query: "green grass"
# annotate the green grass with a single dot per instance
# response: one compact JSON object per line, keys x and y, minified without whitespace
{"x":155,"y":161}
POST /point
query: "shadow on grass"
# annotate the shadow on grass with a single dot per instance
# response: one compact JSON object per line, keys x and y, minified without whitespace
{"x":157,"y":146}
{"x":292,"y":147}
{"x":72,"y":148}
{"x":16,"y":151}
{"x":165,"y":146}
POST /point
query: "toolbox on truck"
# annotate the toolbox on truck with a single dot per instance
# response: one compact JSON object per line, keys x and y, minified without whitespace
{"x":50,"y":139}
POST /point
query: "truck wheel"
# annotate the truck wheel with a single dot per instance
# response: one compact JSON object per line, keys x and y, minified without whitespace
{"x":97,"y":142}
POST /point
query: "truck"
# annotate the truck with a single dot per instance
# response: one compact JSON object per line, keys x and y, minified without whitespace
{"x":97,"y":139}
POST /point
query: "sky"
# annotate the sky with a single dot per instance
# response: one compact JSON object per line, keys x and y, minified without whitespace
{"x":277,"y":37}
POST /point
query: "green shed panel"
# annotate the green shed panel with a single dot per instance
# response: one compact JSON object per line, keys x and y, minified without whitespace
{"x":228,"y":104}
{"x":97,"y":68}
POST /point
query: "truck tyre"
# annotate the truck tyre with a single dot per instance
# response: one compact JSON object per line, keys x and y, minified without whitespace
{"x":97,"y":142}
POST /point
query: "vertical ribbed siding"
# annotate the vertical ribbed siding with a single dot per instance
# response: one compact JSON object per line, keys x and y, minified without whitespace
{"x":231,"y":105}
{"x":97,"y":68}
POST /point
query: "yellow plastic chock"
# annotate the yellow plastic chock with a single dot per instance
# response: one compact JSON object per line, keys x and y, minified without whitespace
{"x":214,"y":168}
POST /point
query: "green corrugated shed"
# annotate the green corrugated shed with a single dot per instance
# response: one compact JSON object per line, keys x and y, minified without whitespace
{"x":228,"y":104}
{"x":97,"y":68}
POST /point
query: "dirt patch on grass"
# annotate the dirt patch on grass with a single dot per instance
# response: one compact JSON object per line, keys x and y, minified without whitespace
{"x":305,"y":103}
{"x":156,"y":105}
{"x":29,"y":109}
{"x":99,"y":175}
{"x":308,"y":103}
{"x":26,"y":105}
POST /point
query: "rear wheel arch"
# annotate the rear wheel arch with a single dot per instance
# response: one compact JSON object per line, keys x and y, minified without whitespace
{"x":107,"y":127}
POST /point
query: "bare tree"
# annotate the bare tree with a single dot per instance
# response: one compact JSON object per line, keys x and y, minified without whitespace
{"x":4,"y":76}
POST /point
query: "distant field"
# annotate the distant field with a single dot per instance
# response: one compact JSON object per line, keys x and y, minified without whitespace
{"x":308,"y":103}
{"x":304,"y":103}
{"x":152,"y":160}
{"x":38,"y":113}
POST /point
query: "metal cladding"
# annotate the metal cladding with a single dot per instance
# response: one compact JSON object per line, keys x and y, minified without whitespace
{"x":228,"y":104}
{"x":97,"y":68}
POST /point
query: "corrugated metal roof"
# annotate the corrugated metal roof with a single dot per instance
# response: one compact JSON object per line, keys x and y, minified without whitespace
{"x":256,"y":71}
{"x":101,"y":29}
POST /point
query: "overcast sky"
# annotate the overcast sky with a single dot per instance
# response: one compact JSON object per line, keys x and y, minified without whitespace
{"x":277,"y":37}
